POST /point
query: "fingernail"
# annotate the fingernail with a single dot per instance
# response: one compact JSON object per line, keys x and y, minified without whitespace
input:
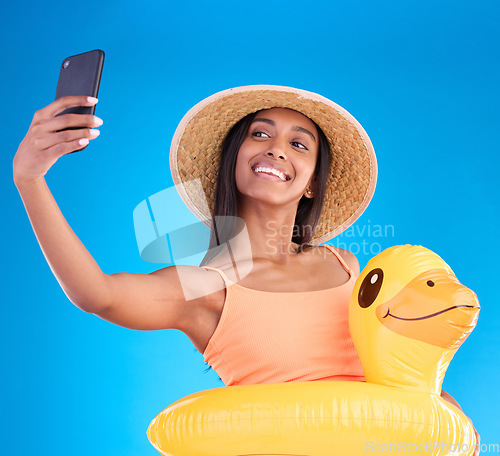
{"x":83,"y":141}
{"x":94,"y":133}
{"x":92,"y":100}
{"x":97,"y":121}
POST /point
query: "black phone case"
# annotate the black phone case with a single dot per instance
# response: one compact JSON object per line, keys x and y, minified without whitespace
{"x":80,"y":75}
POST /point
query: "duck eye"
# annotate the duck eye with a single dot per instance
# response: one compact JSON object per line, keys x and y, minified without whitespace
{"x":430,"y":283}
{"x":370,"y":288}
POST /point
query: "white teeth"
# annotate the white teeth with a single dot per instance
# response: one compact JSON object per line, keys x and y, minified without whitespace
{"x":270,"y":170}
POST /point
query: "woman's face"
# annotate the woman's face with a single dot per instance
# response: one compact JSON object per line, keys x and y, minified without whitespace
{"x":283,"y":141}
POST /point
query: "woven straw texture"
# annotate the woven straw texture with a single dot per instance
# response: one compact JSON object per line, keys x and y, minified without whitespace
{"x":197,"y":146}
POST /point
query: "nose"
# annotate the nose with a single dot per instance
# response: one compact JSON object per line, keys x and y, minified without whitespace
{"x":281,"y":156}
{"x":277,"y":151}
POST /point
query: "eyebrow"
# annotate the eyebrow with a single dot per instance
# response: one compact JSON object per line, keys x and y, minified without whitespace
{"x":295,"y":127}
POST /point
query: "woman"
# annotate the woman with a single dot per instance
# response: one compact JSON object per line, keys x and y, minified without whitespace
{"x":296,"y":169}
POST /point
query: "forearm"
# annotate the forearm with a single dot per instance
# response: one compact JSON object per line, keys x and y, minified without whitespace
{"x":78,"y":274}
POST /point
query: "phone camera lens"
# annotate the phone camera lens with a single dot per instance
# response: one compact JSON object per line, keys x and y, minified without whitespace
{"x":66,"y":64}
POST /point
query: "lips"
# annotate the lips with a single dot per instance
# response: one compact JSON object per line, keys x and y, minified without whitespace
{"x":270,"y":175}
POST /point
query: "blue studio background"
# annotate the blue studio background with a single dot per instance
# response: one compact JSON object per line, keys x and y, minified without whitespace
{"x":420,"y":76}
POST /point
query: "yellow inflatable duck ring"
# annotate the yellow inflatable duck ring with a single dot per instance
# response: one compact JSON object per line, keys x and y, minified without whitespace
{"x":408,"y":315}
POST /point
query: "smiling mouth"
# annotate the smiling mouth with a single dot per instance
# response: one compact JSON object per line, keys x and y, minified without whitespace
{"x":388,"y":314}
{"x":271,"y":173}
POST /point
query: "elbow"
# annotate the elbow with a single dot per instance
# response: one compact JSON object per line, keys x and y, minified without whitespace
{"x":92,"y":306}
{"x":94,"y":300}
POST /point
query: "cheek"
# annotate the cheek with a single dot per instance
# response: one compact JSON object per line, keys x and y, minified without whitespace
{"x":241,"y":161}
{"x":243,"y":158}
{"x":243,"y":153}
{"x":240,"y":169}
{"x":307,"y":165}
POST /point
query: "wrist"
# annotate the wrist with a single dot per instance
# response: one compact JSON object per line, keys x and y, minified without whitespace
{"x":22,"y":181}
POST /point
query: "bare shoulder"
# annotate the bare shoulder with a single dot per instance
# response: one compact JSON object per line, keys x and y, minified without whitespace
{"x":349,"y":258}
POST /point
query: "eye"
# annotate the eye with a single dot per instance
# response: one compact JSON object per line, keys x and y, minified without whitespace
{"x":370,"y":288}
{"x":430,"y":283}
{"x":299,"y":145}
{"x":260,"y":134}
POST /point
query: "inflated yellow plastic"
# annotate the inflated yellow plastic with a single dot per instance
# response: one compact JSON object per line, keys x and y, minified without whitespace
{"x":408,"y":315}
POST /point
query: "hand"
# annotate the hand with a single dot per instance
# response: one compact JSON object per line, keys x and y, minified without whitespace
{"x":478,"y":441}
{"x":44,"y":143}
{"x":449,"y":398}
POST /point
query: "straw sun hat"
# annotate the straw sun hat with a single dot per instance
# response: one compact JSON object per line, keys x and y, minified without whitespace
{"x":197,"y":146}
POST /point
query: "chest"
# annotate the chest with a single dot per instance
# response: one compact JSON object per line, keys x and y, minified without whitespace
{"x":313,"y":271}
{"x":318,"y":272}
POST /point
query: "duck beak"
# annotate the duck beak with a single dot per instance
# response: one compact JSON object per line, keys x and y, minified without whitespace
{"x":434,"y":308}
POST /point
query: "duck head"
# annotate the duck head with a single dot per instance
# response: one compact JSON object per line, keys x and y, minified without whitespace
{"x":408,"y":315}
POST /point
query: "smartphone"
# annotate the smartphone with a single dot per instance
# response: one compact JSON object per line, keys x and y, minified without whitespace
{"x":80,"y":75}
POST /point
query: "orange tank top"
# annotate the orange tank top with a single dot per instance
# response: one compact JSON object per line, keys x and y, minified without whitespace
{"x":274,"y":337}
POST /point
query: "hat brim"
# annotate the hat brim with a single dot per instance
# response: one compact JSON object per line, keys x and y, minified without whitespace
{"x":197,"y":145}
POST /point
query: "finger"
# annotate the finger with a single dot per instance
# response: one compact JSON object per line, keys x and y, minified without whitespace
{"x":66,"y":136}
{"x":57,"y":150}
{"x":70,"y":120}
{"x":63,"y":103}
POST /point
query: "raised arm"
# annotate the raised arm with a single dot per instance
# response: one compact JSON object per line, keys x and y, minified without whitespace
{"x":75,"y":269}
{"x":158,"y":300}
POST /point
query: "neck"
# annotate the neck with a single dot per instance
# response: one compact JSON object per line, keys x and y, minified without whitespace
{"x":411,"y":365}
{"x":269,"y":230}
